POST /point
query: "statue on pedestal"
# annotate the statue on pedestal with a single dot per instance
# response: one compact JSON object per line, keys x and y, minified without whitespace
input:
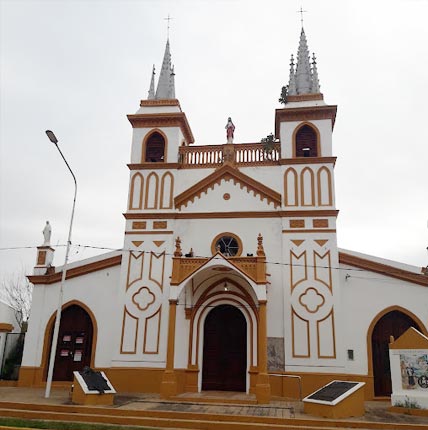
{"x":230,"y":128}
{"x":47,"y":231}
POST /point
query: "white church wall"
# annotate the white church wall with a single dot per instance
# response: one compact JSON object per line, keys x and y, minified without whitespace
{"x":286,"y":136}
{"x":365,"y":295}
{"x":96,"y":290}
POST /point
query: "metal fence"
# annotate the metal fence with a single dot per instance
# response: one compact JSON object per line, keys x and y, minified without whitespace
{"x":12,"y":356}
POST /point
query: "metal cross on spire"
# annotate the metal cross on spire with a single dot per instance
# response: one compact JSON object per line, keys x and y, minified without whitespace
{"x":301,"y":11}
{"x":168,"y":19}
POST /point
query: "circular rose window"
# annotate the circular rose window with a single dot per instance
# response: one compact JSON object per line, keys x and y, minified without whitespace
{"x":228,"y":244}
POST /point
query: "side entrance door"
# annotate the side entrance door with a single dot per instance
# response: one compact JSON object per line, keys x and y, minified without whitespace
{"x":225,"y":350}
{"x":74,"y":343}
{"x":394,"y":323}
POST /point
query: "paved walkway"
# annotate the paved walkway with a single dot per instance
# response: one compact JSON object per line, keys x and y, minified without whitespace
{"x":376,"y":411}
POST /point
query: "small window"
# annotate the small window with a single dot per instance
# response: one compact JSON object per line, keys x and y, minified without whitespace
{"x":227,"y":244}
{"x":155,"y":148}
{"x":306,"y":142}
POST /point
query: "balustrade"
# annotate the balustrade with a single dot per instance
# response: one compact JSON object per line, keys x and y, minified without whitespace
{"x":239,"y":154}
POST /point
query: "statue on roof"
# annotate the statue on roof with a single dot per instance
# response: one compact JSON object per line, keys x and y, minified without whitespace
{"x":230,"y":128}
{"x":47,"y":231}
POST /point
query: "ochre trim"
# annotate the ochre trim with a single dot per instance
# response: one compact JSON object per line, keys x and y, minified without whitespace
{"x":305,"y":97}
{"x":149,"y":232}
{"x":171,"y":191}
{"x":125,"y":314}
{"x":237,"y":214}
{"x":76,"y":271}
{"x":227,"y":173}
{"x":317,"y":132}
{"x":160,"y":102}
{"x":384,"y":269}
{"x":410,"y":339}
{"x":309,"y":230}
{"x":238,"y":239}
{"x":308,"y":160}
{"x":5,"y":327}
{"x":304,"y":114}
{"x":48,"y":331}
{"x":155,"y":165}
{"x":375,"y":320}
{"x":156,"y":351}
{"x":331,"y":314}
{"x":293,"y":336}
{"x":302,"y":187}
{"x":133,"y":190}
{"x":329,"y":189}
{"x":296,"y":187}
{"x":144,"y":145}
{"x":171,"y":119}
{"x":149,"y":183}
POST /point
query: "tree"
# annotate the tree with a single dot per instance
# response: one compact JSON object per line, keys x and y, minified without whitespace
{"x":17,"y":292}
{"x":284,"y":94}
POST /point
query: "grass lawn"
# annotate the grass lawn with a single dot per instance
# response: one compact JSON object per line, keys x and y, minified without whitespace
{"x":64,"y":425}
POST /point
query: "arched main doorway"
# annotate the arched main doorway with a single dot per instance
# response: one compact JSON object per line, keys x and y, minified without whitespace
{"x":225,"y":350}
{"x":74,"y":347}
{"x":394,"y":323}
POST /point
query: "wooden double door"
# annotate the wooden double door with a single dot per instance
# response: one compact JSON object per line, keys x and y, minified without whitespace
{"x":74,"y":346}
{"x":394,"y":323}
{"x":225,"y":350}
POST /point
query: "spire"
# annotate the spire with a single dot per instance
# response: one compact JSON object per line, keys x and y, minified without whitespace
{"x":315,"y":81}
{"x":303,"y":69}
{"x":305,"y":79}
{"x":292,"y":81}
{"x":165,"y":89}
{"x":151,"y":95}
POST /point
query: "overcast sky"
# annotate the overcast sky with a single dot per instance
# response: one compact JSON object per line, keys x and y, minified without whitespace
{"x":78,"y":67}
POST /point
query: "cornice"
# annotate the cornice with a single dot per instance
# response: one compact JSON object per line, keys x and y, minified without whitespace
{"x":305,"y":114}
{"x":239,"y":214}
{"x":308,"y":160}
{"x":76,"y":271}
{"x":305,"y":97}
{"x":153,"y":166}
{"x":383,"y":269}
{"x":167,"y":119}
{"x":160,"y":102}
{"x":227,"y":173}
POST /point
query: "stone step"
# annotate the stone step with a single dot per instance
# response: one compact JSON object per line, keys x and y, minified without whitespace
{"x":185,"y":420}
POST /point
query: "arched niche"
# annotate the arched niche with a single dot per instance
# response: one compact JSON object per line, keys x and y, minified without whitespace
{"x":154,"y":147}
{"x":306,"y":141}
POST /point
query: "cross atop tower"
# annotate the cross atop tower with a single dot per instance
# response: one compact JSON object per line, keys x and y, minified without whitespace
{"x":168,"y":19}
{"x":301,"y":11}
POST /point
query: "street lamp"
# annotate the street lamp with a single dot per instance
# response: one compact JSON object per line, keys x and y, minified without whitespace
{"x":54,"y":344}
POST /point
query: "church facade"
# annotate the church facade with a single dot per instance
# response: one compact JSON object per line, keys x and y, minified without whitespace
{"x":230,"y":278}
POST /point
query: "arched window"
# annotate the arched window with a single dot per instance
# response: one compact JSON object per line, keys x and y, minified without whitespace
{"x":155,"y":148}
{"x":306,"y":142}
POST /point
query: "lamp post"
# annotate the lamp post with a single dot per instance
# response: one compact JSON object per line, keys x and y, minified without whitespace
{"x":54,"y":140}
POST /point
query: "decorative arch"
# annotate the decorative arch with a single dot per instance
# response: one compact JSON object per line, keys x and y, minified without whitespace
{"x":167,"y":190}
{"x":307,"y":187}
{"x":152,"y":191}
{"x":417,"y":323}
{"x":154,"y":147}
{"x":136,"y":192}
{"x":306,"y":141}
{"x":291,"y":188}
{"x":209,"y":299}
{"x":49,"y":331}
{"x":325,"y":192}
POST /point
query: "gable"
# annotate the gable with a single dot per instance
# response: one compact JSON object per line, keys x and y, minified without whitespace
{"x":410,"y":339}
{"x":237,"y":182}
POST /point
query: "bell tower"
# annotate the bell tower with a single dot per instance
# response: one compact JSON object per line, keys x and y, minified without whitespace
{"x":159,"y":129}
{"x":304,"y":127}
